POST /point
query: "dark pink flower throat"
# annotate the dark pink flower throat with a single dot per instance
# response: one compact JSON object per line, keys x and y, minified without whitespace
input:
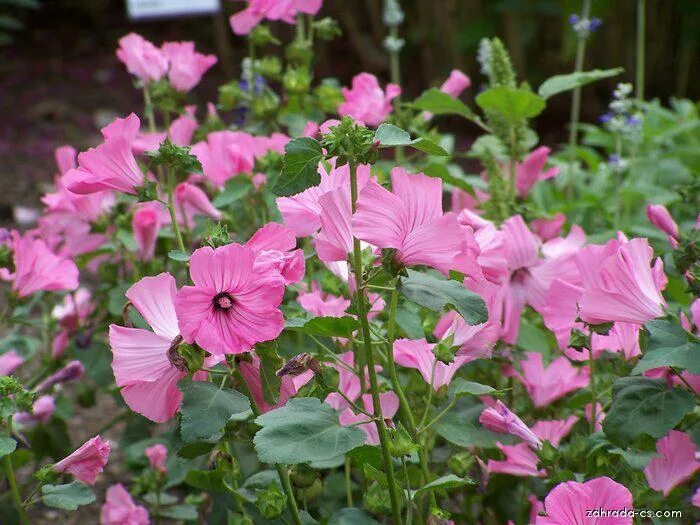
{"x":223,"y":301}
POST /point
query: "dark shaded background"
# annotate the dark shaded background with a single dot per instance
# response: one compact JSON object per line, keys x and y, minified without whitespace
{"x":60,"y":80}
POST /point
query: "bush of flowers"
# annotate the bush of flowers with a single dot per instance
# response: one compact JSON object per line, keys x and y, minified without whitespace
{"x":305,"y":304}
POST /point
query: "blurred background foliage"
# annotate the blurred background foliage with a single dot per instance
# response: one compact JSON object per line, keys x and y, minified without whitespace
{"x":60,"y":79}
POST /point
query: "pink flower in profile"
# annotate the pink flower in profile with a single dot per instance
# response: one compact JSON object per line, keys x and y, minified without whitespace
{"x":87,"y":462}
{"x":225,"y":154}
{"x":74,"y":309}
{"x":157,"y":456}
{"x":322,"y":305}
{"x":676,"y":465}
{"x":418,"y":354}
{"x":520,"y":461}
{"x":274,"y":246}
{"x":186,"y":65}
{"x":141,"y":361}
{"x":622,"y":337}
{"x":531,"y":169}
{"x":120,"y":509}
{"x":9,"y":362}
{"x":39,"y":269}
{"x":629,"y":288}
{"x":568,"y":503}
{"x":454,"y":85}
{"x":554,"y":430}
{"x":659,"y":216}
{"x":72,"y":371}
{"x":190,"y":201}
{"x":474,"y":341}
{"x":547,"y":384}
{"x":233,"y":305}
{"x":183,"y":127}
{"x":145,"y":224}
{"x":289,"y":384}
{"x":692,"y":324}
{"x":410,"y":220}
{"x":142,"y":58}
{"x":42,"y":410}
{"x":111,"y":165}
{"x":498,"y":418}
{"x":389,"y":403}
{"x":366,"y":101}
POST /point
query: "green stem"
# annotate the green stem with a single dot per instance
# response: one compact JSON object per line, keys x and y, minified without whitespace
{"x":594,"y":395}
{"x":148,"y":109}
{"x":641,"y":35}
{"x":171,"y":209}
{"x":348,"y":482}
{"x":438,"y":417}
{"x":369,"y":358}
{"x":10,"y":473}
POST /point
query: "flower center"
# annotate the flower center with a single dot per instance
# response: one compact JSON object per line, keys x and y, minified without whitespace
{"x":223,"y":301}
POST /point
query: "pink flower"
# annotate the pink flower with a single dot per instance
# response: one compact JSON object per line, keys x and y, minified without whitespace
{"x":548,"y":228}
{"x":498,"y":418}
{"x":348,"y":380}
{"x":141,"y":361}
{"x":474,"y":341}
{"x":183,"y":127}
{"x":555,"y":430}
{"x":599,"y":415}
{"x":145,"y":225}
{"x":87,"y":462}
{"x":157,"y":455}
{"x":628,"y":288}
{"x":186,"y":65}
{"x":244,"y":21}
{"x":322,"y":305}
{"x":42,"y":409}
{"x":389,"y":403}
{"x":454,"y":85}
{"x":530,"y":170}
{"x":676,"y":465}
{"x":659,"y":216}
{"x":695,"y":500}
{"x":39,"y":269}
{"x":232,"y":305}
{"x":9,"y":362}
{"x":142,"y":58}
{"x":418,"y":354}
{"x":120,"y":509}
{"x":547,"y":384}
{"x":622,"y":337}
{"x":74,"y":309}
{"x":274,"y":245}
{"x":409,"y":220}
{"x":111,"y":165}
{"x":289,"y":385}
{"x":366,"y":101}
{"x":224,"y":155}
{"x":190,"y":201}
{"x":568,"y":503}
{"x":520,"y":461}
{"x":72,"y":371}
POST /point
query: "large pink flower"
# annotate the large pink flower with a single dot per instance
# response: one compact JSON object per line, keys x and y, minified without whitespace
{"x":120,"y":509}
{"x":142,"y":58}
{"x":274,"y":246}
{"x":676,"y":465}
{"x":141,"y":363}
{"x":628,"y":288}
{"x":186,"y":65}
{"x":520,"y":461}
{"x":569,"y":502}
{"x":258,"y":10}
{"x":547,"y":384}
{"x":225,"y":154}
{"x":87,"y":462}
{"x":233,"y":305}
{"x":37,"y":268}
{"x":366,"y":101}
{"x":410,"y":220}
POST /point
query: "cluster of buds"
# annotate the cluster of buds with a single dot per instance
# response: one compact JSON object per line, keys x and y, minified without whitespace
{"x":622,"y":116}
{"x":584,"y":27}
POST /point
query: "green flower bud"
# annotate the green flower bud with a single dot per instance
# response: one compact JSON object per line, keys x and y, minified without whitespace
{"x":269,"y":67}
{"x":299,"y":52}
{"x":313,"y":491}
{"x":271,"y":501}
{"x":230,"y":95}
{"x":376,"y":500}
{"x":296,"y":80}
{"x":328,"y":97}
{"x":303,"y":476}
{"x":460,"y":463}
{"x":261,"y":36}
{"x":327,"y":28}
{"x":401,"y":443}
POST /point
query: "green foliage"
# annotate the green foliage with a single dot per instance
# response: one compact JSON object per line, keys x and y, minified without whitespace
{"x":305,"y":429}
{"x":7,"y":446}
{"x":325,"y":326}
{"x":450,"y":481}
{"x":513,"y":104}
{"x":351,"y":516}
{"x":669,"y":345}
{"x":235,"y":189}
{"x":300,"y":169}
{"x":175,"y":157}
{"x":561,"y":83}
{"x":67,"y":497}
{"x":389,"y":135}
{"x":461,"y":387}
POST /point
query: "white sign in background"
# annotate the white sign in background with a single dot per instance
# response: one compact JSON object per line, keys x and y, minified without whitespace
{"x":140,"y":9}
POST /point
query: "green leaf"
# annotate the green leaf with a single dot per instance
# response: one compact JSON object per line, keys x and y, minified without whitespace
{"x":436,"y":294}
{"x":644,"y":406}
{"x":67,"y":497}
{"x":410,"y":322}
{"x":235,"y":188}
{"x":450,"y":481}
{"x":7,"y":446}
{"x":177,"y":255}
{"x":180,"y":512}
{"x":325,"y":326}
{"x":206,"y":480}
{"x":560,"y":83}
{"x":637,"y":460}
{"x":441,"y":171}
{"x":305,"y":429}
{"x":461,"y":387}
{"x":669,"y":345}
{"x":389,"y":135}
{"x":270,"y":362}
{"x":352,"y":516}
{"x":196,"y":449}
{"x":206,"y":409}
{"x":439,"y":103}
{"x":300,"y":167}
{"x":513,"y":103}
